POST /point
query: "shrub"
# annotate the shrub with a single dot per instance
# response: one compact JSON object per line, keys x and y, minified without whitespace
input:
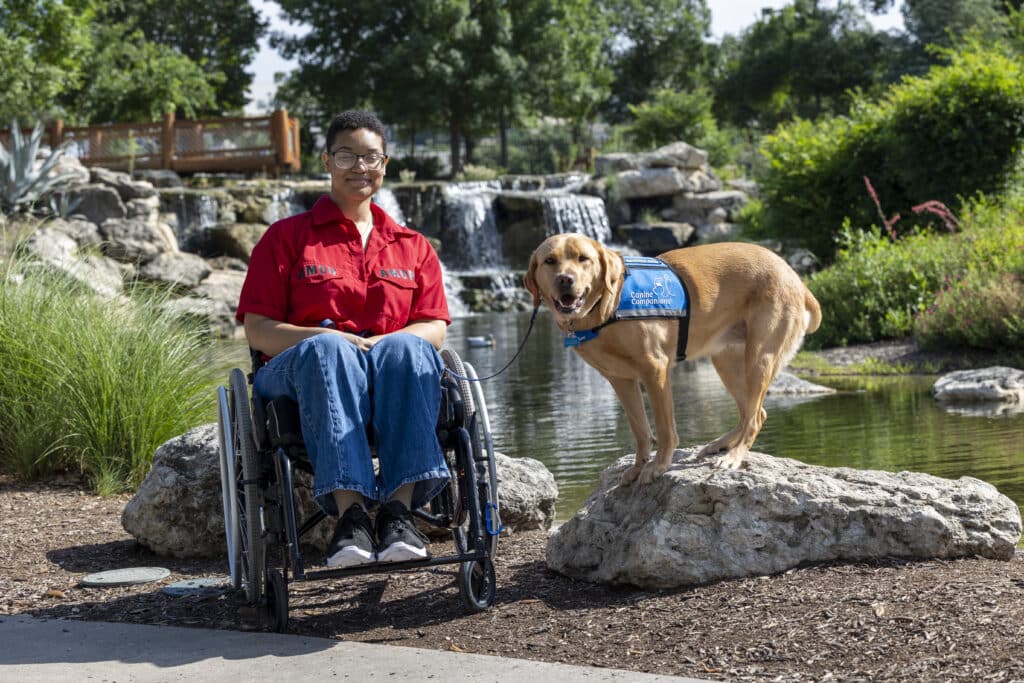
{"x":876,"y":287}
{"x":22,"y":182}
{"x":946,"y":136}
{"x":92,"y":386}
{"x":424,"y":167}
{"x":929,"y":285}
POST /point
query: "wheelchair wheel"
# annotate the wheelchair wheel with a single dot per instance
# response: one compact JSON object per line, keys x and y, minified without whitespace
{"x":477,"y":584}
{"x":453,"y":363}
{"x":247,"y":474}
{"x":228,"y":487}
{"x":483,"y":452}
{"x":277,"y":600}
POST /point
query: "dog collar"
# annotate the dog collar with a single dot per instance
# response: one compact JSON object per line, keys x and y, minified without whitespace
{"x":577,"y":338}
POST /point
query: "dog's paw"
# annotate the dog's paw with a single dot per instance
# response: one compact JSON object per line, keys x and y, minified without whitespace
{"x":630,"y":475}
{"x":732,"y":460}
{"x":651,"y":472}
{"x":710,"y":449}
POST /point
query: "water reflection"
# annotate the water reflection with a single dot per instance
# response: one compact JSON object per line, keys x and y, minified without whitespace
{"x":552,"y":406}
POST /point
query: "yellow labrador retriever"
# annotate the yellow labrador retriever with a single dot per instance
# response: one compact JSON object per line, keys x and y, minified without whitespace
{"x":747,"y":310}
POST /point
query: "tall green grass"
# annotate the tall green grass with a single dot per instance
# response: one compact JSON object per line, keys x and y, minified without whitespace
{"x":93,"y":385}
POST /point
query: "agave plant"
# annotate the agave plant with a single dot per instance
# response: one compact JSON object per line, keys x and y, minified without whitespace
{"x":21,"y":182}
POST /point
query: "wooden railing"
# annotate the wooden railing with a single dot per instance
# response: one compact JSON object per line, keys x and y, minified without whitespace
{"x":267,"y":144}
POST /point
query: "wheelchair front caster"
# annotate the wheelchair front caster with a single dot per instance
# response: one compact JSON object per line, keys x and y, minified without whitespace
{"x":477,"y":584}
{"x":277,"y":600}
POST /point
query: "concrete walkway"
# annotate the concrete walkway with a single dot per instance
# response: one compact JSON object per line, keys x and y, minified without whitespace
{"x":67,"y":650}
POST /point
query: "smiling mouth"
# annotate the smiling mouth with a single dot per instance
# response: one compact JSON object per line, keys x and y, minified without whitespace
{"x":567,"y":303}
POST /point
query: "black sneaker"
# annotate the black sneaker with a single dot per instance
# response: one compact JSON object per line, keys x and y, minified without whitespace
{"x":352,"y":543}
{"x":400,"y":540}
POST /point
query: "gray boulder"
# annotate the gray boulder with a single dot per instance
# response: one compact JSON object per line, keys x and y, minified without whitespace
{"x":177,"y":510}
{"x":655,"y":238}
{"x":789,"y":384}
{"x":987,"y":385}
{"x":123,"y":183}
{"x":58,"y":250}
{"x":696,"y":524}
{"x":178,"y":268}
{"x":97,"y":203}
{"x":136,"y":240}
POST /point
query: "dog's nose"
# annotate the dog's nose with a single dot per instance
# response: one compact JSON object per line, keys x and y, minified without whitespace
{"x":563,"y":280}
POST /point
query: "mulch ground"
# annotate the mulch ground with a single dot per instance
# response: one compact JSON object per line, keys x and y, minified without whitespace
{"x":924,"y":621}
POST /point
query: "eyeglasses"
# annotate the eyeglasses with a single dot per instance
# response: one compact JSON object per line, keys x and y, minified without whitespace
{"x":346,"y":160}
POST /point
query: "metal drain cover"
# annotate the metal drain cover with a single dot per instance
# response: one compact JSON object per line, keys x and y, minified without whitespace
{"x":126,"y":576}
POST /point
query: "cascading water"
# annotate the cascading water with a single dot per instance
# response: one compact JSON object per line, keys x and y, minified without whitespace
{"x":471,"y":229}
{"x":385,"y":199}
{"x":282,"y":205}
{"x":577,"y":213}
{"x":195,"y":213}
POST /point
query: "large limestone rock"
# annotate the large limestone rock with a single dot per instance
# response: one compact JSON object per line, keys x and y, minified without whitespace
{"x":177,"y":510}
{"x":696,"y":524}
{"x":996,"y":385}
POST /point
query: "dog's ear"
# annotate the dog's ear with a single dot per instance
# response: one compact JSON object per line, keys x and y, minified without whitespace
{"x":611,"y":263}
{"x":530,"y":280}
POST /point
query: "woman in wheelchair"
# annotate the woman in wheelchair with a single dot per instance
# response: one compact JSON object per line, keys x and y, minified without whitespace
{"x":350,"y":309}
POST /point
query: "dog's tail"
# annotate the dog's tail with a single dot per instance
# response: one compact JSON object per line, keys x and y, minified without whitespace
{"x":812,"y":312}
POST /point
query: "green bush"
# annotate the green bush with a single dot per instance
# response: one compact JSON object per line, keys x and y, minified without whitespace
{"x":92,"y":385}
{"x":425,"y":167}
{"x":876,"y":286}
{"x":671,"y":116}
{"x":949,"y":290}
{"x":946,"y":136}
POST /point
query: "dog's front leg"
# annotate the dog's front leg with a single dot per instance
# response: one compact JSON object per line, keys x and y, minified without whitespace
{"x":659,"y":391}
{"x":628,"y":391}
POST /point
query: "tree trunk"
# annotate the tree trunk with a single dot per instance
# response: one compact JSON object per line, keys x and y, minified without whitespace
{"x":455,"y":146}
{"x":470,"y":148}
{"x":503,"y":131}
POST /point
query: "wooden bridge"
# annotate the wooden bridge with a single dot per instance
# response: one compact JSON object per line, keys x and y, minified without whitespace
{"x":264,"y":144}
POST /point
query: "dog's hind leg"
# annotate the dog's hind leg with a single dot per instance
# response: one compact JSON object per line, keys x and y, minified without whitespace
{"x":628,"y":391}
{"x":729,"y":365}
{"x":763,"y":358}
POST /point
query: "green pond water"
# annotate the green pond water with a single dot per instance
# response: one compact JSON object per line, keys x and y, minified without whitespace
{"x":551,"y":406}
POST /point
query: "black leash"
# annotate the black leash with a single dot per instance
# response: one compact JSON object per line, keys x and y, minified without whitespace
{"x":511,"y":360}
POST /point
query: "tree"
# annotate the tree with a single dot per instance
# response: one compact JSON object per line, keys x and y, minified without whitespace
{"x":42,"y":45}
{"x":132,"y":79}
{"x":802,"y":60}
{"x":945,"y":22}
{"x":565,"y":72}
{"x":221,"y":36}
{"x":418,"y":64}
{"x":655,"y":44}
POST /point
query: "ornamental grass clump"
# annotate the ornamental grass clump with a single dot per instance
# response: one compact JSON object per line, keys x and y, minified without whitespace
{"x":92,"y":385}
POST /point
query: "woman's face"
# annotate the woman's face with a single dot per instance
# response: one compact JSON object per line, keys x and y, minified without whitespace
{"x":358,"y":183}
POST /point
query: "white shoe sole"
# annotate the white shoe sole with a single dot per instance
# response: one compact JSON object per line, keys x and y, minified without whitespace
{"x":401,"y":552}
{"x":350,"y":556}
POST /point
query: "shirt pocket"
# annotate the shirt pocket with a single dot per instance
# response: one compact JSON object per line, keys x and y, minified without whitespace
{"x":393,"y":297}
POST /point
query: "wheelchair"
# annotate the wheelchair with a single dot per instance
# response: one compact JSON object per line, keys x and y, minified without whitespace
{"x":261,"y":447}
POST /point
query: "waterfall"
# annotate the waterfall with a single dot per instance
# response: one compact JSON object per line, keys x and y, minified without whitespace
{"x":577,"y":213}
{"x":385,"y":199}
{"x":283,"y":204}
{"x":194,"y":214}
{"x":471,"y":232}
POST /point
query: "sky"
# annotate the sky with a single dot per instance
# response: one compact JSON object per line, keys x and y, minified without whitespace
{"x":727,"y":17}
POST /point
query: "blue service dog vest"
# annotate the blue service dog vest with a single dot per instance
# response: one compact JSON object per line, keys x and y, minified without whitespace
{"x":650,"y":289}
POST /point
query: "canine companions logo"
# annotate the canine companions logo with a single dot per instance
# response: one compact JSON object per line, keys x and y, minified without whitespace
{"x":650,"y":289}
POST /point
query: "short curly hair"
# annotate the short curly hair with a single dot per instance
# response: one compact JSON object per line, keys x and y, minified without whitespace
{"x":354,"y":119}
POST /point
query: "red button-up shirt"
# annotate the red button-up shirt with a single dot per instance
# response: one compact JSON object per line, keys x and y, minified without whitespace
{"x":312,"y":267}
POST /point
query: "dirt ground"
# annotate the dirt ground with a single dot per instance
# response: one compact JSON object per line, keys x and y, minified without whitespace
{"x":881,"y":621}
{"x":925,"y":621}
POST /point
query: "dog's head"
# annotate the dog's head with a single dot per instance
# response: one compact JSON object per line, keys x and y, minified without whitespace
{"x":571,"y":273}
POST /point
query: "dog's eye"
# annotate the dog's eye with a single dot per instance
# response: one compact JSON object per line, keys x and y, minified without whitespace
{"x":582,"y":258}
{"x":550,"y":260}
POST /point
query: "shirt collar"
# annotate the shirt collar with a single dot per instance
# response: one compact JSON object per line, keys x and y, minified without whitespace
{"x":326,"y":213}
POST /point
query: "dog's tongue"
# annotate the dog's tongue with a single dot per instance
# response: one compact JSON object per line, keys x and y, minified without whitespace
{"x":567,"y":301}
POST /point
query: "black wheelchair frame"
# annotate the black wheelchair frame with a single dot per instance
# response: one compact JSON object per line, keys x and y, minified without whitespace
{"x":260,"y":448}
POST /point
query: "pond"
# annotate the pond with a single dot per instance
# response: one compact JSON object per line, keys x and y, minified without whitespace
{"x":552,"y":406}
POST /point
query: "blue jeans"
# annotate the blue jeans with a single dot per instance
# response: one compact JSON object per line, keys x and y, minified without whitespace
{"x":391,"y":392}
